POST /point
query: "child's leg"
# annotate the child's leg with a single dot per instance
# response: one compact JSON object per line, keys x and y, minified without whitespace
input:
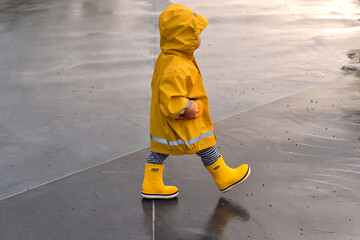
{"x":156,"y":158}
{"x":209,"y":155}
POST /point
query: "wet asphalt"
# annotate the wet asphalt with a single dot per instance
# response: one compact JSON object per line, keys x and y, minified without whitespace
{"x":74,"y":101}
{"x":75,"y":75}
{"x":304,"y":155}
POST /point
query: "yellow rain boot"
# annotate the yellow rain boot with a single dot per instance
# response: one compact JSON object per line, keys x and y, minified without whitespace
{"x":227,"y":178}
{"x":153,"y":186}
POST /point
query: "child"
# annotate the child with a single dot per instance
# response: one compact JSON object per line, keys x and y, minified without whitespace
{"x":180,"y":120}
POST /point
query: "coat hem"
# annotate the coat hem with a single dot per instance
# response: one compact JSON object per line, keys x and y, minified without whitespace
{"x":184,"y":150}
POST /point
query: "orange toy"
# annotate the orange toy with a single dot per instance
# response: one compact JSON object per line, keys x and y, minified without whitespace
{"x":198,"y":105}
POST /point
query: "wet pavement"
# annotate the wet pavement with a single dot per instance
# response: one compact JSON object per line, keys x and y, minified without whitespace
{"x":304,"y":151}
{"x":75,"y":74}
{"x":284,"y":92}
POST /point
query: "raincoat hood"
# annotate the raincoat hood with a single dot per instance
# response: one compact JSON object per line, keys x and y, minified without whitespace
{"x":179,"y":29}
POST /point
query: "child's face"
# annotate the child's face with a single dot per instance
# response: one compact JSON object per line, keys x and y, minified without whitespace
{"x":198,"y":42}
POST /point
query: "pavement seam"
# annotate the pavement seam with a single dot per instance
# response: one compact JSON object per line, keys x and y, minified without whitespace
{"x":274,"y":100}
{"x":153,"y":219}
{"x":70,"y":174}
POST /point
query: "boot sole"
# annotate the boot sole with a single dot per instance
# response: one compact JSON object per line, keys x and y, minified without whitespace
{"x":159,"y":196}
{"x":247,"y":175}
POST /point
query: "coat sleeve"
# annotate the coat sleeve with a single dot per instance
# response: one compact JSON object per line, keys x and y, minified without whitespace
{"x":173,"y":92}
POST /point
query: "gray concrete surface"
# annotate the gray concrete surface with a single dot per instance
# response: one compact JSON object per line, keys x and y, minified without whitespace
{"x":75,"y":74}
{"x":304,"y":151}
{"x":283,"y":84}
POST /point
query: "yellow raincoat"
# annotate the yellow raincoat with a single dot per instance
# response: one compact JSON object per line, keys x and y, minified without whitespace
{"x":176,"y":80}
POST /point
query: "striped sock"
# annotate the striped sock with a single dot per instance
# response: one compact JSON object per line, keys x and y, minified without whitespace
{"x":209,"y":155}
{"x":156,"y":158}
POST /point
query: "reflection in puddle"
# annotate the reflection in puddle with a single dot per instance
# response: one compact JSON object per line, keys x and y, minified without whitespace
{"x":354,"y":55}
{"x":154,"y":213}
{"x":224,"y":212}
{"x":353,"y":117}
{"x":166,"y":221}
{"x":353,"y":67}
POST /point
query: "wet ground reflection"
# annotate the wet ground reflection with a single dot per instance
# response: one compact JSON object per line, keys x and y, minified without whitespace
{"x":225,"y":211}
{"x":168,"y":225}
{"x":353,"y":66}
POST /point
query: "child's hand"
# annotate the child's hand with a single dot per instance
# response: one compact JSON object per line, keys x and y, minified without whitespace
{"x":190,"y":113}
